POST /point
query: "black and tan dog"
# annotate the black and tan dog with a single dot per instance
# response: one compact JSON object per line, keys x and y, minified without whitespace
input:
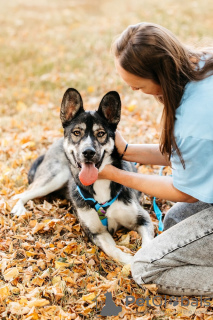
{"x":102,"y":206}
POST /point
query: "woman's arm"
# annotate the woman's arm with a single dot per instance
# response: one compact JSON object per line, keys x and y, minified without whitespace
{"x":157,"y":186}
{"x":141,"y":153}
{"x":145,"y":154}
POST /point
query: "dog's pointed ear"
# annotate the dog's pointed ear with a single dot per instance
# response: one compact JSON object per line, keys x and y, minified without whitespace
{"x":71,"y":105}
{"x":110,"y":107}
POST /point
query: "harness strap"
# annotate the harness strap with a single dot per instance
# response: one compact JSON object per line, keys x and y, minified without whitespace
{"x":101,"y":208}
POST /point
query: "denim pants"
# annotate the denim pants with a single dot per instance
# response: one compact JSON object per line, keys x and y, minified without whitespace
{"x":180,"y":260}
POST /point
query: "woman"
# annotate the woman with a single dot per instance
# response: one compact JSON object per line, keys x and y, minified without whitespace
{"x":149,"y":58}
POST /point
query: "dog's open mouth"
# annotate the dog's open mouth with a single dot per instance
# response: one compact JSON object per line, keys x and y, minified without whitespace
{"x":89,"y":171}
{"x":88,"y":174}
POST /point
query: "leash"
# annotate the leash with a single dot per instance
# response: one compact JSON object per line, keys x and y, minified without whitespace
{"x":101,"y":208}
{"x":157,"y":209}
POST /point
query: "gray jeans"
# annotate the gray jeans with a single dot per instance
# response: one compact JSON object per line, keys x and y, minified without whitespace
{"x":180,"y":260}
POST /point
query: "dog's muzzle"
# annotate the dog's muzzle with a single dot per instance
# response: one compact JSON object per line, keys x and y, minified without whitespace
{"x":89,"y":153}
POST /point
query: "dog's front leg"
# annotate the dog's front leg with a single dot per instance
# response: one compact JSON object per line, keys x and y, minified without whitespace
{"x":105,"y":241}
{"x":146,"y":232}
{"x":40,"y":188}
{"x":100,"y":236}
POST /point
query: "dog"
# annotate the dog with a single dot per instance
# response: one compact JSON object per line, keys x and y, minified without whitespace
{"x":72,"y":163}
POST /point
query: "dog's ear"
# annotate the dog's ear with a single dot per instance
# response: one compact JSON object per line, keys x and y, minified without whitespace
{"x":71,"y":105}
{"x":110,"y":107}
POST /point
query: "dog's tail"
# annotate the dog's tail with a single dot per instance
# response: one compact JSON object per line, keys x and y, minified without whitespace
{"x":33,"y":168}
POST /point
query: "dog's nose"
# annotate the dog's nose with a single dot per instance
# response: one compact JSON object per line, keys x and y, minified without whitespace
{"x":89,"y":153}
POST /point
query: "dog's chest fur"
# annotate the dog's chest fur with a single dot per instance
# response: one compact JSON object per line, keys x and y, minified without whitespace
{"x":122,"y":212}
{"x":118,"y":211}
{"x":102,"y":190}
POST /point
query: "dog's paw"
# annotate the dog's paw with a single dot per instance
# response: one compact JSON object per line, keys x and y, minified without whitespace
{"x":19,"y":209}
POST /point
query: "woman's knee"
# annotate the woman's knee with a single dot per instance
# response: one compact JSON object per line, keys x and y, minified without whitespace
{"x":181,"y":210}
{"x":138,"y":271}
{"x":141,"y":266}
{"x":172,"y":217}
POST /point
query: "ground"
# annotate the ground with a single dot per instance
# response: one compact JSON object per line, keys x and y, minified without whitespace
{"x":49,"y":269}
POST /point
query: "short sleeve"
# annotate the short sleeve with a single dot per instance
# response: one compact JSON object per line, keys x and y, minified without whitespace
{"x":197,"y":177}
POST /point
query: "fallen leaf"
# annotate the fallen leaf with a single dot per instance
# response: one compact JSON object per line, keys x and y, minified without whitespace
{"x":10,"y":274}
{"x":126,"y":270}
{"x":4,"y":292}
{"x":37,"y":303}
{"x":89,"y":297}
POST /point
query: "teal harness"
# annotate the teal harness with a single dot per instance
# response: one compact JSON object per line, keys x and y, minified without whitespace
{"x":101,"y":208}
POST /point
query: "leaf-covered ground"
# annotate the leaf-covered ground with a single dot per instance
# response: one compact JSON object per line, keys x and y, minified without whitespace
{"x":49,"y":269}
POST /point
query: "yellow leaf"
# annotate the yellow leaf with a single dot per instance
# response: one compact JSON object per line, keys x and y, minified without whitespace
{"x":33,"y":314}
{"x":125,"y":239}
{"x":47,"y":206}
{"x":142,"y":309}
{"x":14,"y":290}
{"x":87,"y":310}
{"x":131,"y":107}
{"x":56,"y":280}
{"x":30,"y":254}
{"x":38,"y":227}
{"x":4,"y":292}
{"x":17,"y":309}
{"x":151,"y":287}
{"x":59,"y":264}
{"x":21,"y":106}
{"x":92,"y":250}
{"x":126,"y":270}
{"x":11,"y":274}
{"x":32,"y":223}
{"x":29,"y":145}
{"x":70,"y":247}
{"x":38,"y":303}
{"x":89,"y":297}
{"x":28,"y":156}
{"x":41,"y":264}
{"x":37,"y":281}
{"x":23,"y":301}
{"x":90,"y":89}
{"x":77,"y":227}
{"x":49,"y":255}
{"x":46,"y":221}
{"x":69,"y":279}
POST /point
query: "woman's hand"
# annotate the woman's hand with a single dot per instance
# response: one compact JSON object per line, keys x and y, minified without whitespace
{"x":120,"y":142}
{"x":104,"y":174}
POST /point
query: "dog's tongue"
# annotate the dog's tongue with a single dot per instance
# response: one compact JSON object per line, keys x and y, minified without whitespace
{"x":88,"y":174}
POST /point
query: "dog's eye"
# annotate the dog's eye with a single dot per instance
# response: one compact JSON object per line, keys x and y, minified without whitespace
{"x":101,"y":134}
{"x":76,"y":132}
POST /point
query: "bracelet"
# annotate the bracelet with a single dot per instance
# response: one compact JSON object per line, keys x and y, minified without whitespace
{"x":124,"y":151}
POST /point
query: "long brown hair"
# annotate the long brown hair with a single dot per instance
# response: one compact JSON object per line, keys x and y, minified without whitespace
{"x":151,"y":51}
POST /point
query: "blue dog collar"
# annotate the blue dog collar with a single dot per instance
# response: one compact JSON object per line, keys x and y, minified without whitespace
{"x":101,"y":208}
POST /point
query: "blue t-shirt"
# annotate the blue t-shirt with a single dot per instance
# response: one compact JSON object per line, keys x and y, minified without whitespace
{"x":194,"y":137}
